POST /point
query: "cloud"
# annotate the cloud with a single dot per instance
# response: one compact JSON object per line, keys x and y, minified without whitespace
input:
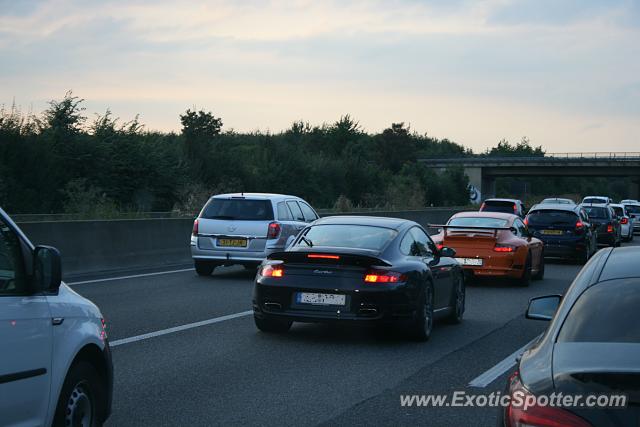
{"x":440,"y":65}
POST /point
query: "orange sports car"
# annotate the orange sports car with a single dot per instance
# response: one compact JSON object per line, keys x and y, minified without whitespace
{"x":493,"y":244}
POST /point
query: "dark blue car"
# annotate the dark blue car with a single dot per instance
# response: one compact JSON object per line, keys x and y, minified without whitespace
{"x":566,"y":230}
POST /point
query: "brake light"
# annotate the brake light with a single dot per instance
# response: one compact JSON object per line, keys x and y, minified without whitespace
{"x":321,"y":256}
{"x":609,"y":228}
{"x":579,"y":225}
{"x":273,"y":231}
{"x":483,"y":206}
{"x":526,"y":221}
{"x":504,"y":248}
{"x":270,"y":270}
{"x":194,"y":232}
{"x":521,"y":412}
{"x":515,"y":208}
{"x":384,"y":277}
{"x":439,"y":246}
{"x":624,"y":220}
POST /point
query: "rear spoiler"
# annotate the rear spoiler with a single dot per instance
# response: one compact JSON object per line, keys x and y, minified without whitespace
{"x":470,"y":227}
{"x":333,"y":257}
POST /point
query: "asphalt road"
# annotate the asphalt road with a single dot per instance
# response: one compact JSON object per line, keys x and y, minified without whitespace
{"x":225,"y":372}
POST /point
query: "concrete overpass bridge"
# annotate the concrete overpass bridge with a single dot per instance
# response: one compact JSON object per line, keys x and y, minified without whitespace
{"x":483,"y":170}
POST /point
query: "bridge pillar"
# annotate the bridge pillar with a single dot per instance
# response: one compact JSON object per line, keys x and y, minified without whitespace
{"x":634,"y":188}
{"x":482,"y":186}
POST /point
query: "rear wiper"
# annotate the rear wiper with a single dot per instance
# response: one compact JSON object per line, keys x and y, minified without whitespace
{"x":307,"y":241}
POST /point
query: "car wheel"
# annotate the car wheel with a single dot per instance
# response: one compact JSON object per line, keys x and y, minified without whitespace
{"x":204,"y":268}
{"x":423,"y":323}
{"x":457,"y":300}
{"x":525,"y":280}
{"x":81,"y":399}
{"x":540,"y":274}
{"x":276,"y":326}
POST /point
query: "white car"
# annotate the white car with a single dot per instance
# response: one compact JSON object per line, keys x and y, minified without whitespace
{"x":55,"y":362}
{"x":626,"y":222}
{"x":633,"y":209}
{"x":245,"y":228}
{"x":597,"y":200}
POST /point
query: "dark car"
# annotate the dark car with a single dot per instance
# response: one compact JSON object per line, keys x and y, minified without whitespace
{"x":512,"y":206}
{"x":565,"y":229}
{"x":591,"y":347}
{"x":360,"y":269}
{"x":607,"y":224}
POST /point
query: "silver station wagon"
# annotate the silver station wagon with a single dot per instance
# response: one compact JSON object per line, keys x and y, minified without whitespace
{"x":244,"y":228}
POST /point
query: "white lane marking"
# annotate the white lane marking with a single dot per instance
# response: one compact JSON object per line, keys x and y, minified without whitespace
{"x":133,"y":276}
{"x":492,"y":374}
{"x":179,"y":328}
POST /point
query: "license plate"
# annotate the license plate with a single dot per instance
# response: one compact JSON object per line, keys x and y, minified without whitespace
{"x":234,"y":243}
{"x":320,"y":299}
{"x":552,"y":232}
{"x":470,"y":261}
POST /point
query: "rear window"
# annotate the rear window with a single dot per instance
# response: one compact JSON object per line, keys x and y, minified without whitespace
{"x":594,"y":200}
{"x":633,"y":209}
{"x":238,"y":209}
{"x":551,"y":217}
{"x":618,"y":210}
{"x":349,"y":236}
{"x":597,"y":212}
{"x":606,"y":312}
{"x":499,"y":206}
{"x":478,"y":222}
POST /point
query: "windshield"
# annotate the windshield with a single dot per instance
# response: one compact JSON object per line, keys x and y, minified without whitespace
{"x":597,"y":212}
{"x":238,"y":209}
{"x":478,"y":222}
{"x":550,"y":217}
{"x":618,"y":210}
{"x":348,"y":236}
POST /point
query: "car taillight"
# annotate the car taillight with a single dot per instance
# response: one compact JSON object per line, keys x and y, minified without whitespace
{"x":375,"y":276}
{"x":609,"y":228}
{"x":579,"y":225}
{"x":482,"y":206}
{"x":439,"y":246}
{"x":194,"y":232}
{"x":526,"y":221}
{"x":522,"y":412}
{"x":504,"y":248}
{"x":624,"y":221}
{"x":274,"y":230}
{"x":270,"y":270}
{"x":515,"y":209}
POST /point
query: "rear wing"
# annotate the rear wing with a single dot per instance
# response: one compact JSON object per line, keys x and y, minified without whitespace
{"x":493,"y":230}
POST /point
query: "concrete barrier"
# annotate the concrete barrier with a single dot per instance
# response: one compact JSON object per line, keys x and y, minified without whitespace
{"x":101,"y":246}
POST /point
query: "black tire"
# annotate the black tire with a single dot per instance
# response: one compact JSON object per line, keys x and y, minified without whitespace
{"x":525,"y":280}
{"x":204,"y":268}
{"x":423,"y":322}
{"x":276,"y":326}
{"x":540,"y":274}
{"x":82,"y":399}
{"x":458,"y":298}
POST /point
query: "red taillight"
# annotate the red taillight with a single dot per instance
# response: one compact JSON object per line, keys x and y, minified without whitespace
{"x":624,"y":221}
{"x":322,"y":256}
{"x":526,"y":221}
{"x":609,"y":228}
{"x":439,"y":246}
{"x":270,"y":270}
{"x":504,"y":248}
{"x":274,"y":230}
{"x":194,"y":232}
{"x":482,"y":206}
{"x":579,"y":225}
{"x":528,"y":414}
{"x":515,"y":209}
{"x":384,"y":277}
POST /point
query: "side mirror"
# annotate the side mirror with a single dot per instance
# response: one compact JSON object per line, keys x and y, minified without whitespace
{"x":47,"y":269}
{"x":447,"y":252}
{"x":543,"y":308}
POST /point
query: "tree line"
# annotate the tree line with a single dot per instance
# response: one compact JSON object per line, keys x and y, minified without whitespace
{"x":60,"y":161}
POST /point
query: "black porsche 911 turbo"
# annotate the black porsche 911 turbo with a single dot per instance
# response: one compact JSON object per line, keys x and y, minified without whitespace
{"x":360,"y":269}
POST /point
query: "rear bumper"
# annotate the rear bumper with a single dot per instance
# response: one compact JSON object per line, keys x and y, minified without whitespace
{"x":495,"y":264}
{"x":363,"y":307}
{"x":566,"y":247}
{"x":606,"y":238}
{"x":231,"y":256}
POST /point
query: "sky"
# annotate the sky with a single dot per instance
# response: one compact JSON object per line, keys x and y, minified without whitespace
{"x":564,"y":73}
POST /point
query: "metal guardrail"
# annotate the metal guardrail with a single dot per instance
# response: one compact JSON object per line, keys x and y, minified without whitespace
{"x":547,"y":157}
